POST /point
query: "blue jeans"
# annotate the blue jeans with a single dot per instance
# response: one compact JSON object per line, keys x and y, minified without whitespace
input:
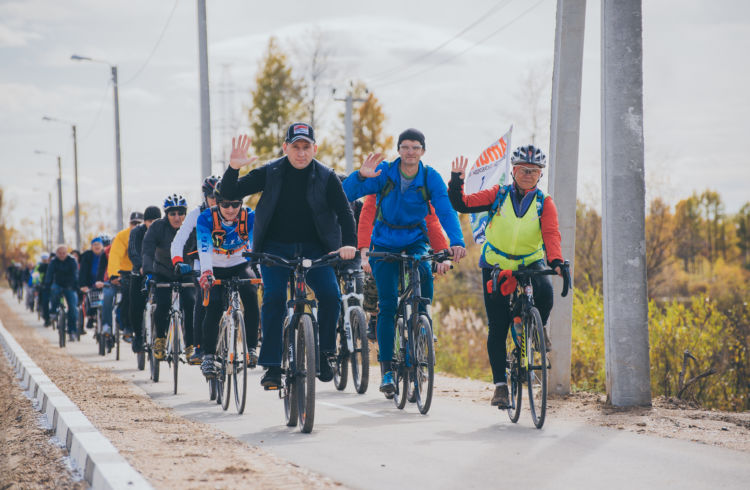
{"x":386,"y":276}
{"x":275,"y":279}
{"x":71,"y":298}
{"x":108,"y":302}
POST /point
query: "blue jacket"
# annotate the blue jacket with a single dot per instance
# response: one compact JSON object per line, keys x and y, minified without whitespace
{"x":230,"y":252}
{"x":408,"y":208}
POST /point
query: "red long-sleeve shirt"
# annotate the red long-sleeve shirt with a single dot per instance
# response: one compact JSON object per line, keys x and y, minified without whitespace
{"x":438,"y":239}
{"x":483,"y":200}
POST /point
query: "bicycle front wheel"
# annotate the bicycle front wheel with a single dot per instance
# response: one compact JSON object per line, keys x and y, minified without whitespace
{"x":536,"y":372}
{"x":361,"y":356}
{"x":424,"y":364}
{"x":239,"y":380}
{"x":151,"y":340}
{"x":307,"y":367}
{"x":514,"y":384}
{"x":99,"y":335}
{"x":225,"y":374}
{"x":61,"y":327}
{"x":175,"y":327}
{"x":117,"y":339}
{"x":341,"y":369}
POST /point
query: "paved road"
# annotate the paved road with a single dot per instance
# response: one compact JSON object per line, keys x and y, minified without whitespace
{"x":363,"y":441}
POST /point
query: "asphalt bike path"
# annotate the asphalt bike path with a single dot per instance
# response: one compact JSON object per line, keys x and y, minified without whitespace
{"x":363,"y":441}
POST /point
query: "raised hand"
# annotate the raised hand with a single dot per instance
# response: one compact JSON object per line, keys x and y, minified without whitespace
{"x":371,"y":163}
{"x":459,"y":165}
{"x":239,"y":157}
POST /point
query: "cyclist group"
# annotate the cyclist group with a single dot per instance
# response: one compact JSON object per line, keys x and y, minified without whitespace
{"x":306,"y":210}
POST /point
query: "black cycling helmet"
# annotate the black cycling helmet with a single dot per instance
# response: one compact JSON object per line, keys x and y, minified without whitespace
{"x":209,"y":185}
{"x":529,"y":154}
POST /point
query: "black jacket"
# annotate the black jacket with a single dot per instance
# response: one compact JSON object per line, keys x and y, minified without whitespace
{"x":64,"y":273}
{"x":135,"y":245}
{"x":86,"y":278}
{"x":331,"y":213}
{"x":156,"y":253}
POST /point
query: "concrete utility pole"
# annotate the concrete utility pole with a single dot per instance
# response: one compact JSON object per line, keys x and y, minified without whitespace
{"x":205,"y":104}
{"x":60,"y":233}
{"x":49,"y":221}
{"x":118,"y":160}
{"x":563,"y":171}
{"x":624,"y":205}
{"x":349,"y":130}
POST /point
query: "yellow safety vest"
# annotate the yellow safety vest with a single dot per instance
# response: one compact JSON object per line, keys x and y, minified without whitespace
{"x":512,"y":241}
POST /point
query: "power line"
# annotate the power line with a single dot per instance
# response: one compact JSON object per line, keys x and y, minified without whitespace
{"x":158,"y":41}
{"x":483,"y":17}
{"x":461,"y":53}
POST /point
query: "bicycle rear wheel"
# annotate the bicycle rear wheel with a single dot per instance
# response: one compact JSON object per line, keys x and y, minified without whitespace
{"x":61,"y":327}
{"x":424,"y":364}
{"x":289,"y":374}
{"x":175,"y":327}
{"x":306,"y":363}
{"x":400,"y":369}
{"x":536,"y":372}
{"x":102,"y":343}
{"x":361,"y":356}
{"x":341,"y":369}
{"x":514,"y":384}
{"x":240,"y":363}
{"x":152,"y":360}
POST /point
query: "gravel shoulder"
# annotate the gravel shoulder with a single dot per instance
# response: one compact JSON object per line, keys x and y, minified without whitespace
{"x":168,"y":450}
{"x":668,"y":418}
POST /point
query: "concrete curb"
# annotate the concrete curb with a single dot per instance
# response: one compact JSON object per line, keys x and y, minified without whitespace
{"x":102,"y":465}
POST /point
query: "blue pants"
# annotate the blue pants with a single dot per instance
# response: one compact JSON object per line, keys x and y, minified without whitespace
{"x":386,"y":276}
{"x":275,"y":279}
{"x":108,"y":303}
{"x":71,"y":298}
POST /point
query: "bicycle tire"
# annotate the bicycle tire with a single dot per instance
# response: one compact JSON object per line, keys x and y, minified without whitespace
{"x":211,"y":389}
{"x":61,"y":320}
{"x":99,"y":335}
{"x":341,"y":369}
{"x":140,"y":358}
{"x":400,"y":371}
{"x":116,"y":331}
{"x":305,"y":358}
{"x":288,"y":368}
{"x":175,"y":325}
{"x":536,"y":372}
{"x":153,"y":361}
{"x":240,"y":363}
{"x":225,"y":369}
{"x":514,"y":385}
{"x":360,"y":358}
{"x":424,"y":364}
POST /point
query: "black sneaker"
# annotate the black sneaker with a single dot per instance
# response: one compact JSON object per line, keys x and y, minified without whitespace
{"x":500,"y":398}
{"x":371,"y":326}
{"x":207,"y":366}
{"x":252,"y":358}
{"x":326,"y":373}
{"x":272,"y":379}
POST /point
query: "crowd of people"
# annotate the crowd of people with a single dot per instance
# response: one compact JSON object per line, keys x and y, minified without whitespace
{"x":305,"y":209}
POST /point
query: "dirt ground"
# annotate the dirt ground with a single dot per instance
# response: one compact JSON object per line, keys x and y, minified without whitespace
{"x":665,"y":418}
{"x":165,"y":448}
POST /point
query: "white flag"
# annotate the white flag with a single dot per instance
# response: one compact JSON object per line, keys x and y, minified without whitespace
{"x":490,"y":169}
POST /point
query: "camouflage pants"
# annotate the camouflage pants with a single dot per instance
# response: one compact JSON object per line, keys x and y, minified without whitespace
{"x":371,"y":295}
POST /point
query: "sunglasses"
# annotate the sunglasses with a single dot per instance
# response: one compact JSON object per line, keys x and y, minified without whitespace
{"x":230,"y":204}
{"x":529,"y":171}
{"x":179,"y":212}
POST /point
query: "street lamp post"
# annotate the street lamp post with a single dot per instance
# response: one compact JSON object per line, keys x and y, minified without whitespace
{"x":75,"y":171}
{"x":118,"y":163}
{"x":60,"y":232}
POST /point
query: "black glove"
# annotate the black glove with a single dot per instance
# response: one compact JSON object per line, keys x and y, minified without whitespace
{"x":555,"y":263}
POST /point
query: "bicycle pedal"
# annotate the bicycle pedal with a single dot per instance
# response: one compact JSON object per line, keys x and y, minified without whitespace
{"x":271,"y":388}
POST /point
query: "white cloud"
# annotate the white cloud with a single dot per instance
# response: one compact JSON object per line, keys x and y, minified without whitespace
{"x":10,"y":37}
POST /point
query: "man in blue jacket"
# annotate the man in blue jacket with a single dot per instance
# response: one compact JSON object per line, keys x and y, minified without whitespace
{"x":405,"y":188}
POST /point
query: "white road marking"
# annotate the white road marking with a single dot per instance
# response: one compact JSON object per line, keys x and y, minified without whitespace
{"x":355,"y":410}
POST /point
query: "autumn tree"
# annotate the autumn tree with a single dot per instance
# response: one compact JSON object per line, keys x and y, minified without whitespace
{"x":742,"y":222}
{"x":659,"y":243}
{"x":277,"y":101}
{"x":588,"y":261}
{"x":714,"y":224}
{"x":689,"y":241}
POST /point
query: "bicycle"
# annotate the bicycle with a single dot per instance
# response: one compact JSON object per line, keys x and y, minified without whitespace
{"x":95,"y":297}
{"x":60,"y":320}
{"x":175,"y":342}
{"x":352,"y":345}
{"x":300,"y":358}
{"x":527,"y":358}
{"x":231,"y":346}
{"x":413,"y":339}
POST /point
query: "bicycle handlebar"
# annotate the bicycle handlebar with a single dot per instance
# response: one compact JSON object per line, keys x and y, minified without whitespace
{"x":274,"y":260}
{"x":441,"y":256}
{"x":564,"y":268}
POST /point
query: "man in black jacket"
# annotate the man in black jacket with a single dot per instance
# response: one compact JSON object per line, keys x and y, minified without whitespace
{"x":157,"y":265}
{"x":137,"y":298}
{"x":303,"y":211}
{"x":62,"y":278}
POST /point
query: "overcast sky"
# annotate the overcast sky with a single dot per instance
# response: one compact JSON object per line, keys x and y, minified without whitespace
{"x":465,"y":95}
